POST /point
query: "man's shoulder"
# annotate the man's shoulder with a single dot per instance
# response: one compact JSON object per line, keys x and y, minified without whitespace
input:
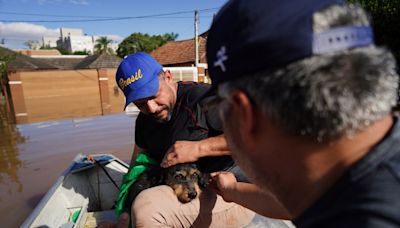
{"x":191,"y":91}
{"x":372,"y":198}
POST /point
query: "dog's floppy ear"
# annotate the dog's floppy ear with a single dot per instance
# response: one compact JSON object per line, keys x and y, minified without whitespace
{"x":204,"y":180}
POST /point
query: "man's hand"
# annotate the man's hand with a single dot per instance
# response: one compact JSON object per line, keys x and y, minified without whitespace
{"x":123,"y":222}
{"x":181,"y":152}
{"x":224,"y":184}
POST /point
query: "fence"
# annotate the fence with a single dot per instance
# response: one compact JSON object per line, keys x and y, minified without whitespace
{"x":41,"y":95}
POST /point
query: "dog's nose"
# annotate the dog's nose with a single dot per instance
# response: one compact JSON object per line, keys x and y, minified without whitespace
{"x":192,"y":195}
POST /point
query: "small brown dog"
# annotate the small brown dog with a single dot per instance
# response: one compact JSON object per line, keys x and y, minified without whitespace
{"x":185,"y":179}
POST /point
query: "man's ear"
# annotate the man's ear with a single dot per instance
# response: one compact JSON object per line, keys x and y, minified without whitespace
{"x":245,"y":115}
{"x":168,"y":76}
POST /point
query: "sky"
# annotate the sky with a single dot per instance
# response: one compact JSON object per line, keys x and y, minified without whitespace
{"x":23,"y":20}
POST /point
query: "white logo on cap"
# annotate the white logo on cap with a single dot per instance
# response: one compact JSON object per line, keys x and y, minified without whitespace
{"x":221,"y":57}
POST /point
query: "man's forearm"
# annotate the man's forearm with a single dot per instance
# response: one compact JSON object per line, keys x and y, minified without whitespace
{"x":214,"y":146}
{"x":251,"y":197}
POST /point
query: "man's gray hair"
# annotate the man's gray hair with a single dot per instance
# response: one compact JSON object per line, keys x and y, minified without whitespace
{"x":326,"y":96}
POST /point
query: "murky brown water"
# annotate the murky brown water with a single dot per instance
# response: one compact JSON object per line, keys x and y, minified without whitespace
{"x":32,"y":156}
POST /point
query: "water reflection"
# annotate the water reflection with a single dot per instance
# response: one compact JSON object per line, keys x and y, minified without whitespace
{"x":9,"y":155}
{"x":34,"y":155}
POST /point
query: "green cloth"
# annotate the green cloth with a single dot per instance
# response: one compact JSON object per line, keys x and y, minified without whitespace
{"x":142,"y":162}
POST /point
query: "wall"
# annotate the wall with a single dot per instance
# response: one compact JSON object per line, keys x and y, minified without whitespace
{"x":37,"y":96}
{"x":50,"y":95}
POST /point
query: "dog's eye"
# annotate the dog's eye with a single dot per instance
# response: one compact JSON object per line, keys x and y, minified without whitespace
{"x":179,"y":177}
{"x":195,"y":176}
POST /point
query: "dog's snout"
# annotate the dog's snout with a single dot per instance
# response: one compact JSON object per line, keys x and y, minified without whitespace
{"x":192,"y":194}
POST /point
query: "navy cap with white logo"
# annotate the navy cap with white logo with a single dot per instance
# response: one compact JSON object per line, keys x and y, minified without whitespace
{"x":252,"y":35}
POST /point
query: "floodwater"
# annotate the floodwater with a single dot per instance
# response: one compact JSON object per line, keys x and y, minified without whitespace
{"x":32,"y":156}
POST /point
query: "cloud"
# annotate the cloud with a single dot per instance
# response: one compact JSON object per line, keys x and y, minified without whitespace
{"x":79,"y":2}
{"x":15,"y":34}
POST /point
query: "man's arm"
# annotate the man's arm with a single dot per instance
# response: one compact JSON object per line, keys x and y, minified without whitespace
{"x":191,"y":151}
{"x":248,"y":195}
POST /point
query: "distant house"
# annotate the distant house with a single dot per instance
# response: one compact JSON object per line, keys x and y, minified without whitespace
{"x":182,"y":54}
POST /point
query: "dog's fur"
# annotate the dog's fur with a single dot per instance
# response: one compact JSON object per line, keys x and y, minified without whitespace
{"x":186,"y":180}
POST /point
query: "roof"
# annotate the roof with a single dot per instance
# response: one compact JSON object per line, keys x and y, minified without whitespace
{"x":22,"y":62}
{"x":96,"y":61}
{"x":40,"y":52}
{"x":5,"y":51}
{"x":62,"y":63}
{"x":26,"y":62}
{"x":178,"y":52}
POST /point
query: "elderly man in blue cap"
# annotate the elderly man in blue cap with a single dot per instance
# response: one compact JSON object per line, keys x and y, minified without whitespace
{"x":171,"y":129}
{"x":306,"y":99}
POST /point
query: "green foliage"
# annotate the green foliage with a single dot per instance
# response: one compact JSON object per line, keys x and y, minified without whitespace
{"x":139,"y":42}
{"x":60,"y":49}
{"x":32,"y":44}
{"x":385,"y":16}
{"x":102,"y":45}
{"x":4,"y":60}
{"x":84,"y":52}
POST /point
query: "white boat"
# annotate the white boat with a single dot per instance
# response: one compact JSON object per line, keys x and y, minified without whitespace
{"x":83,"y":195}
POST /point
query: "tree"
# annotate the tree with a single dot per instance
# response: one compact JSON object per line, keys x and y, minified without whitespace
{"x":139,"y":42}
{"x":32,"y":44}
{"x":385,"y":16}
{"x":4,"y":60}
{"x":84,"y":52}
{"x":102,"y":45}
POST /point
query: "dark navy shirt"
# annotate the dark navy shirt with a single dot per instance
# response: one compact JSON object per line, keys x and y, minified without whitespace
{"x":188,"y":122}
{"x":368,"y":195}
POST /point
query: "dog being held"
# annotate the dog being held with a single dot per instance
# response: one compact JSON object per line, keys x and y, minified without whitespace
{"x":185,"y":179}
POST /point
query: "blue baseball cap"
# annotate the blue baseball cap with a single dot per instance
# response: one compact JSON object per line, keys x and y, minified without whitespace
{"x":248,"y":36}
{"x":137,"y":76}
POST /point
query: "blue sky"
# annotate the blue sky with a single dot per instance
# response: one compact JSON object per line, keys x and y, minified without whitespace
{"x":16,"y":27}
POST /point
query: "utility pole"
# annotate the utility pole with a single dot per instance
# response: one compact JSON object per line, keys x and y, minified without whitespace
{"x":196,"y":21}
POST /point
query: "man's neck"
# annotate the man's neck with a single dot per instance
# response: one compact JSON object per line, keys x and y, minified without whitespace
{"x":319,"y":166}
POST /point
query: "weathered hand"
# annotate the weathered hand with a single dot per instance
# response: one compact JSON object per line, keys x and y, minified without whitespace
{"x":181,"y":152}
{"x":224,"y":184}
{"x":123,"y":222}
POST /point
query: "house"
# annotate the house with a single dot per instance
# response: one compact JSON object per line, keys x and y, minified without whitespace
{"x":182,"y":54}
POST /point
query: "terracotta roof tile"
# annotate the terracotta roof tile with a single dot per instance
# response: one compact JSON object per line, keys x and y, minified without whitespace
{"x":179,"y":52}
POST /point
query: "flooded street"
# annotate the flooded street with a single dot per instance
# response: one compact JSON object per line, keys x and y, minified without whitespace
{"x":34,"y":155}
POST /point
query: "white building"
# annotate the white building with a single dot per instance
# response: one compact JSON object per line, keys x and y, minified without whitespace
{"x":73,"y":40}
{"x":49,"y":41}
{"x":66,"y":32}
{"x":78,"y":43}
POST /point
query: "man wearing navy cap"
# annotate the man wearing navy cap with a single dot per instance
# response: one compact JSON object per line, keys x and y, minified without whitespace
{"x":171,"y":129}
{"x":306,"y":100}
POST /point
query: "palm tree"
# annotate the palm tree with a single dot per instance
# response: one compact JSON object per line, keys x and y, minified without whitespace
{"x":102,"y":45}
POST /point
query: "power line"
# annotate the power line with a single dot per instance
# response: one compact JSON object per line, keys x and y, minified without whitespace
{"x":49,"y":15}
{"x":97,"y":19}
